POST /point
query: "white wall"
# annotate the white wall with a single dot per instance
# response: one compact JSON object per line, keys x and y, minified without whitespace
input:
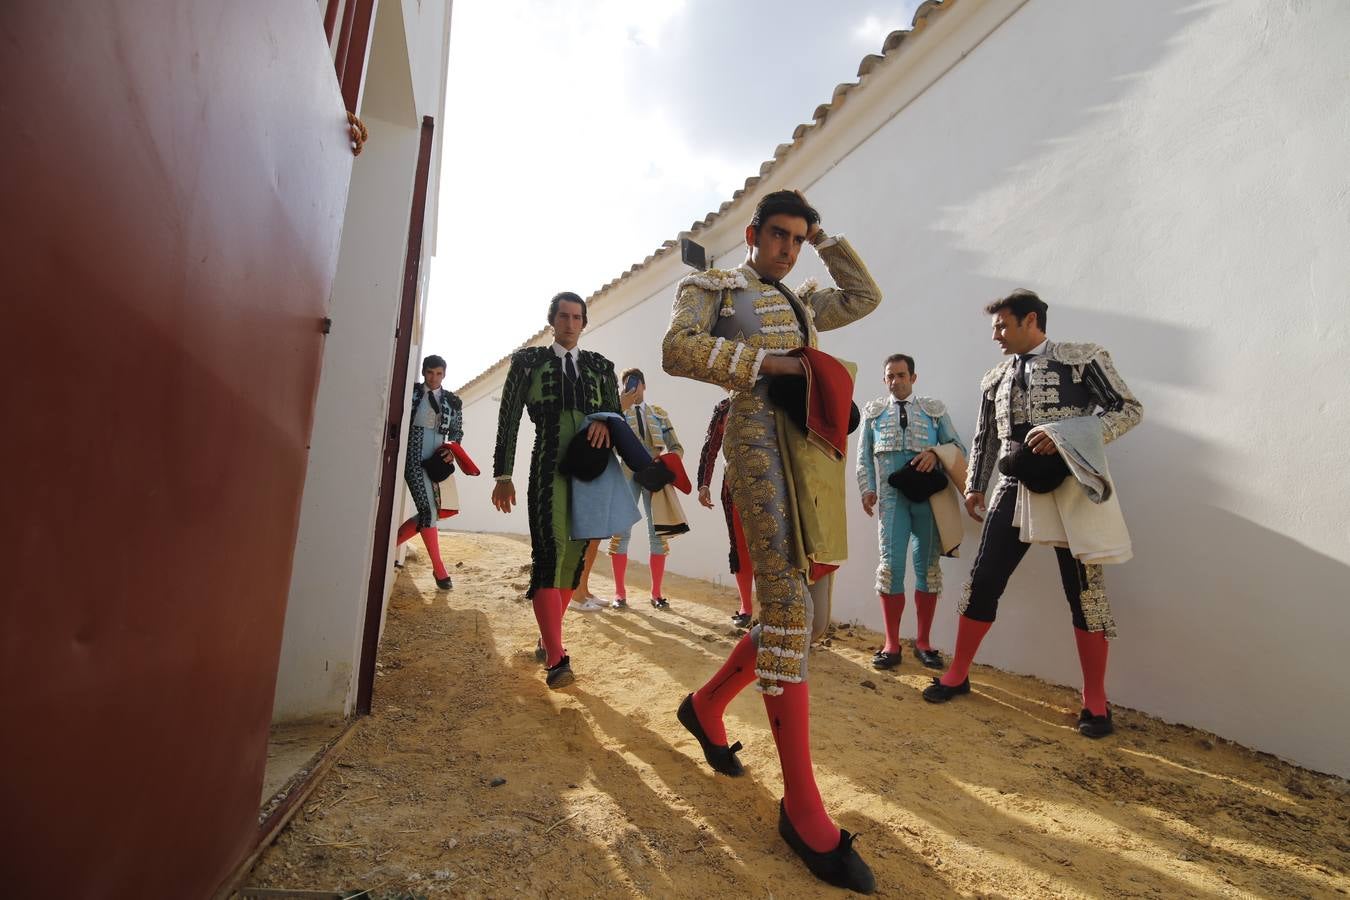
{"x":1172,"y":179}
{"x":326,"y":607}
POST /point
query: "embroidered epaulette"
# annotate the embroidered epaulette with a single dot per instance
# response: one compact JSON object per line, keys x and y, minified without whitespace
{"x":454,"y":399}
{"x":716,"y":280}
{"x":660,"y":411}
{"x":995,"y":375}
{"x":530,"y":357}
{"x":594,"y":360}
{"x":1073,"y":354}
{"x":932,"y":406}
{"x":875,"y":407}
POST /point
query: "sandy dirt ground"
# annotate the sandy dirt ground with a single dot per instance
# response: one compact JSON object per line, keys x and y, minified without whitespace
{"x":471,"y":778}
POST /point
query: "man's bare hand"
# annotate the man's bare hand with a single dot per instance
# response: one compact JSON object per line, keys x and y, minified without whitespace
{"x":782,"y":365}
{"x":504,"y":496}
{"x":926,"y":461}
{"x":598,"y":434}
{"x":811,"y":230}
{"x":869,"y":500}
{"x":705,"y":496}
{"x":446,"y":453}
{"x":975,"y":505}
{"x":627,"y":400}
{"x":1041,"y":443}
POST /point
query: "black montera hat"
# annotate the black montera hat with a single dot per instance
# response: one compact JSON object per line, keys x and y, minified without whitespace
{"x":437,"y":469}
{"x":915,"y":485}
{"x":582,"y":461}
{"x":1041,"y":473}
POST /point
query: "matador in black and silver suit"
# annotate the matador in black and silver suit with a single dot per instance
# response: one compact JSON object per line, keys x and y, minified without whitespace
{"x":1043,"y":382}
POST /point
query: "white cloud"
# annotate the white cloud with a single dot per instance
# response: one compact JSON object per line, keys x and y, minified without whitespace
{"x":871,"y":31}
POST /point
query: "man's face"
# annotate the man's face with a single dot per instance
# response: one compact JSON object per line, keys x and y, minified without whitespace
{"x":773,"y":251}
{"x":899,"y":380}
{"x":1015,"y":337}
{"x":433,"y":377}
{"x":568,"y":323}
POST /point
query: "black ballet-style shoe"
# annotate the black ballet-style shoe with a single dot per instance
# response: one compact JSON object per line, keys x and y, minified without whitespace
{"x":937,"y":692}
{"x":740,"y":620}
{"x":660,"y":603}
{"x":930,"y":658}
{"x":841,"y":867}
{"x":721,"y":757}
{"x":1095,"y":726}
{"x":444,"y":584}
{"x":560,"y":676}
{"x":883,"y":660}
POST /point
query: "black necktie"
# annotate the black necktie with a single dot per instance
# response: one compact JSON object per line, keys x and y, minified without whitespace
{"x":904,"y":416}
{"x":570,"y":387}
{"x":642,"y":429}
{"x":1020,"y":369}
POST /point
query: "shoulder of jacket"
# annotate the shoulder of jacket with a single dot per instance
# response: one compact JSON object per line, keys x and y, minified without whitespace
{"x":595,"y":360}
{"x":995,"y":375}
{"x":932,"y":406}
{"x":530,"y":356}
{"x":874,"y":408}
{"x":1073,"y":354}
{"x":660,"y":411}
{"x":715,"y":280}
{"x":453,"y":399}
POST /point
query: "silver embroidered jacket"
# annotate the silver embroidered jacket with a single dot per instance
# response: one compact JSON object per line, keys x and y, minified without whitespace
{"x":1067,"y":380}
{"x":929,"y":425}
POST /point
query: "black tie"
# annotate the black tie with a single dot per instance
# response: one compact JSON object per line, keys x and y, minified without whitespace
{"x":570,"y":387}
{"x":904,"y":416}
{"x":642,"y":429}
{"x":1020,"y":369}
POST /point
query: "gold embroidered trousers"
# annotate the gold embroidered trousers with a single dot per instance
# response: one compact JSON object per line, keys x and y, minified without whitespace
{"x":791,"y":613}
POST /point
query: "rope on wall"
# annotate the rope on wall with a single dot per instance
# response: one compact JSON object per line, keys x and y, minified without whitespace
{"x":358,"y":132}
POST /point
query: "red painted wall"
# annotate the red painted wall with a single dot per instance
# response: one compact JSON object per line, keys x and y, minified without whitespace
{"x":173,"y":175}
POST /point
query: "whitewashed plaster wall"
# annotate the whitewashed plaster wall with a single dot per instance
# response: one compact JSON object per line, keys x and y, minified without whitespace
{"x":1172,"y":179}
{"x":326,"y":607}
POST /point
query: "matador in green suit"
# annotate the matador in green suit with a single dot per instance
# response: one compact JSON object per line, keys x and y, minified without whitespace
{"x":559,"y":386}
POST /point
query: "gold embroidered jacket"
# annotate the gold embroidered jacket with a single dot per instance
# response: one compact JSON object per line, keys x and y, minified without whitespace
{"x":731,"y":358}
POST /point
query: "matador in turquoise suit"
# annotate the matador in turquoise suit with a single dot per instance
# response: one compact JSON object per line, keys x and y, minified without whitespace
{"x":900,"y":430}
{"x":558,"y":386}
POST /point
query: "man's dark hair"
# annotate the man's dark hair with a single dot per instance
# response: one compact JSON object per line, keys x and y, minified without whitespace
{"x":433,"y":362}
{"x":623,"y":378}
{"x":1019,"y":303}
{"x":570,"y":298}
{"x":900,"y":357}
{"x":783,"y":203}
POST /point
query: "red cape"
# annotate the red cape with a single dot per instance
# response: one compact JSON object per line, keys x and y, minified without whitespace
{"x":829,"y":399}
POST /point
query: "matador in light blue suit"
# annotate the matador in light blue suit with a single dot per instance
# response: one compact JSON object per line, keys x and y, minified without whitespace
{"x":898,"y":430}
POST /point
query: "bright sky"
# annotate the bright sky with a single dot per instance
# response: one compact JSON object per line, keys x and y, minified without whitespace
{"x":580,"y":136}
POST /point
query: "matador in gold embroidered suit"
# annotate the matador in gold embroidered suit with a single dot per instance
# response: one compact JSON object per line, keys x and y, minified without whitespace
{"x":735,"y":329}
